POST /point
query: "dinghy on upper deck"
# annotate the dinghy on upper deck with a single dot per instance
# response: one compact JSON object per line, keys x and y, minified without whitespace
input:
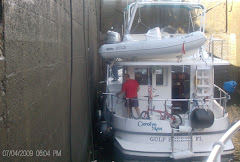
{"x":154,"y":45}
{"x":159,"y":41}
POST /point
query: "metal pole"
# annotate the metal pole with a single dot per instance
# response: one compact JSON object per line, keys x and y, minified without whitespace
{"x":191,"y":140}
{"x":212,"y":49}
{"x":107,"y":72}
{"x":212,"y":96}
{"x":204,"y":11}
{"x":189,"y":22}
{"x":132,"y":17}
{"x":221,"y":49}
{"x":165,"y":105}
{"x":209,"y":47}
{"x":211,"y":102}
{"x":172,"y":140}
{"x":124,"y":24}
{"x":201,"y":20}
{"x":196,"y":81}
{"x":225,"y":104}
{"x":189,"y":109}
{"x":220,"y":97}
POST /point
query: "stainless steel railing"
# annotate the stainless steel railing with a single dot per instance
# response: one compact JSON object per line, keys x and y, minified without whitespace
{"x":215,"y":155}
{"x":211,"y":47}
{"x":223,"y":98}
{"x":191,"y":105}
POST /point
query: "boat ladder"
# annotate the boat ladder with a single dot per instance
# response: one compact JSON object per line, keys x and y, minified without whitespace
{"x":203,"y":84}
{"x":184,"y":152}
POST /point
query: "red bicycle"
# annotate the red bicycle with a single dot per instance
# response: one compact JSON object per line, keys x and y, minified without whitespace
{"x":174,"y":119}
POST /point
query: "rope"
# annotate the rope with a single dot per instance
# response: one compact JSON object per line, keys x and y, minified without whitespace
{"x":140,"y":22}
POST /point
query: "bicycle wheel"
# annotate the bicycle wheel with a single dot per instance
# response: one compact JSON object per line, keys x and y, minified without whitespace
{"x":175,"y":120}
{"x":144,"y":115}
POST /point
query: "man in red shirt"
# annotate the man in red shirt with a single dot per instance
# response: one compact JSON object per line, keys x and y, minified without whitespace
{"x":130,"y":87}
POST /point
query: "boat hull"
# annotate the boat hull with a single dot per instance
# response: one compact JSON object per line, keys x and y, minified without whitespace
{"x":184,"y":46}
{"x":153,"y":138}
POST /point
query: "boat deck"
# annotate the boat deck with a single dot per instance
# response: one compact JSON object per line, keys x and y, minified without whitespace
{"x":192,"y":60}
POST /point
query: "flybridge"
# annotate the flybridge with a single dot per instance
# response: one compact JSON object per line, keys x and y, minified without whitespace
{"x":168,"y":38}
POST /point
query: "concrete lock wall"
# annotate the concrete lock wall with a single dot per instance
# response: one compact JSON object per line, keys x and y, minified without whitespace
{"x":48,"y":70}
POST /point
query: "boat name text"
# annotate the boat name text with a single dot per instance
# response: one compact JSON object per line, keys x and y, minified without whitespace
{"x":189,"y":35}
{"x":150,"y":124}
{"x":120,"y":47}
{"x":108,"y":49}
{"x":176,"y":139}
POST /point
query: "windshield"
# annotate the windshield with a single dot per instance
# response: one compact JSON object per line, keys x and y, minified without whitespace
{"x":170,"y":19}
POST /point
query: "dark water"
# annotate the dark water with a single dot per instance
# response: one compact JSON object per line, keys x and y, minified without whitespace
{"x":234,"y":115}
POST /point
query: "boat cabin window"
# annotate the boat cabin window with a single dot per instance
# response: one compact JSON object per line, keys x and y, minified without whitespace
{"x":142,"y":75}
{"x":159,"y":76}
